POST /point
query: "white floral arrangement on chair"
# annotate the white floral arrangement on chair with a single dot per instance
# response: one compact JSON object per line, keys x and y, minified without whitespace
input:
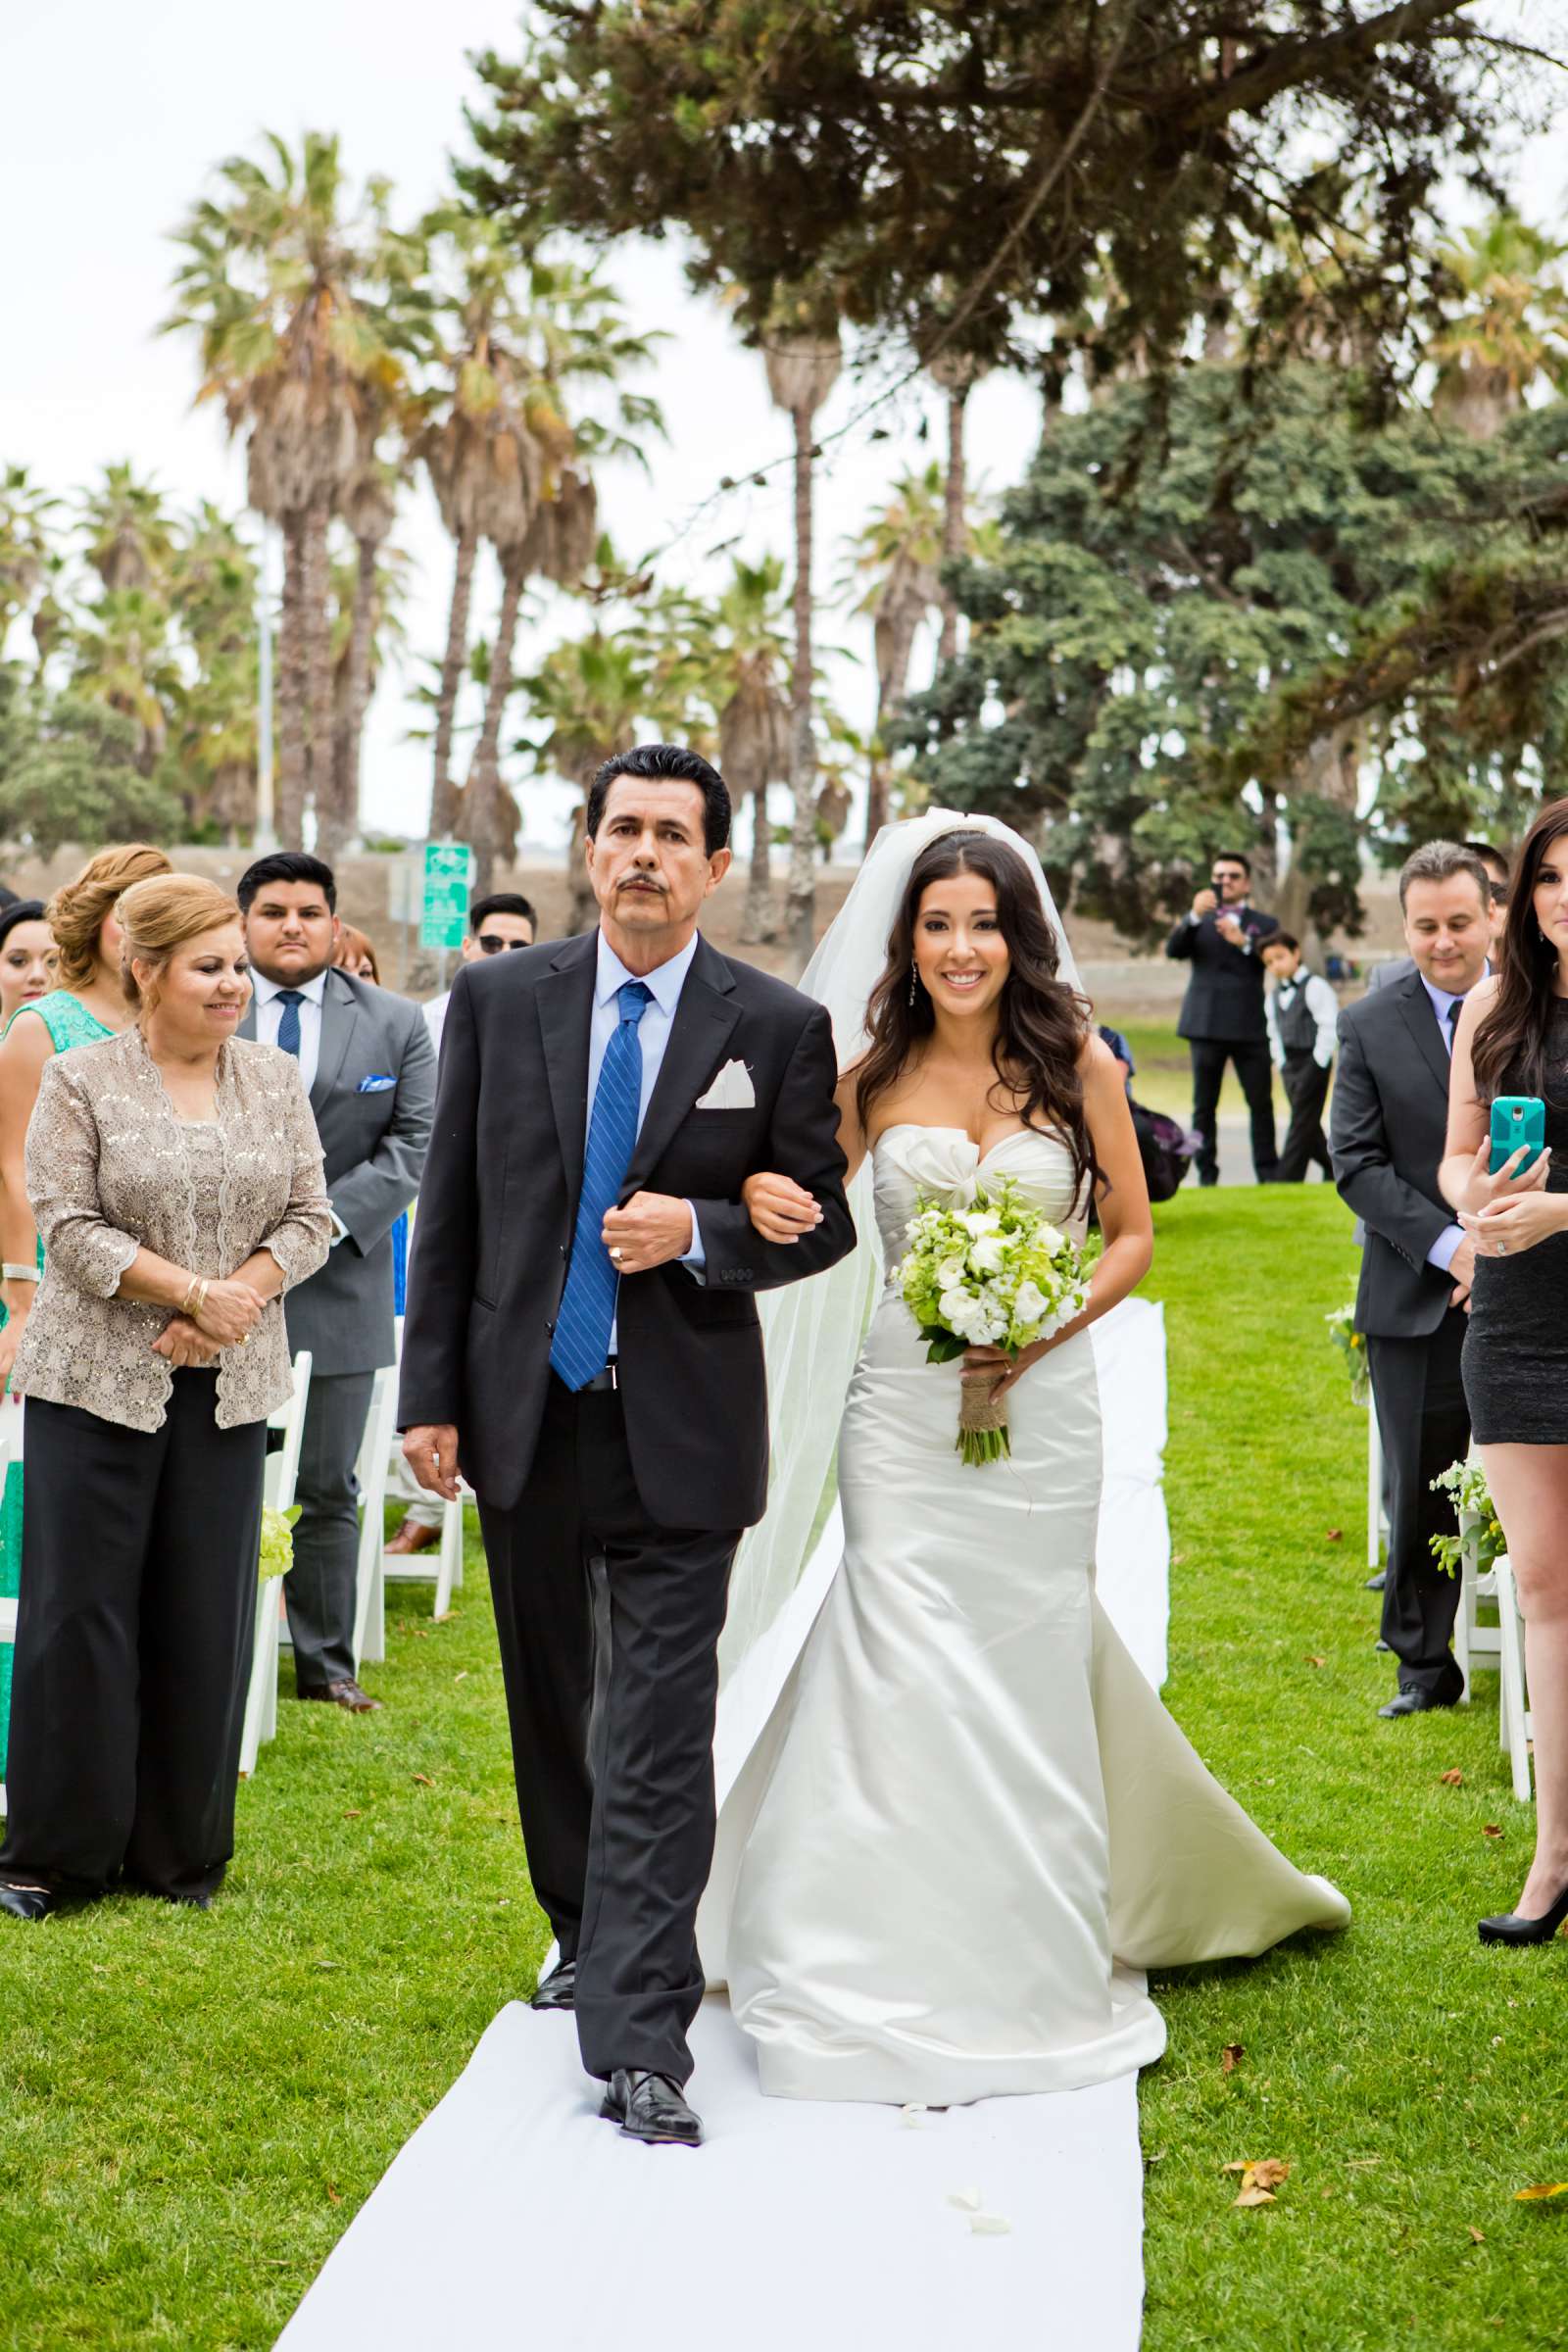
{"x":1480,"y":1527}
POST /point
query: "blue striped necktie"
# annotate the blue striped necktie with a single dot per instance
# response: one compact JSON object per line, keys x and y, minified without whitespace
{"x":580,"y":1347}
{"x":288,"y":1020}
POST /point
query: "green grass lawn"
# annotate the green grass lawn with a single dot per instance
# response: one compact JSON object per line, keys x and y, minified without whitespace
{"x":192,"y":2107}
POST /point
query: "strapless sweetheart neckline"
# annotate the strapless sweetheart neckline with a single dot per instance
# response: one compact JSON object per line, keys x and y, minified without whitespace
{"x":927,"y":1127}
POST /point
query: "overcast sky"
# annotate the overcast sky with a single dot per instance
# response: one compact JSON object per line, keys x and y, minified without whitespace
{"x":112,"y":118}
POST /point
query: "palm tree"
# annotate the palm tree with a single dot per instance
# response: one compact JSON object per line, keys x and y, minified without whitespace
{"x":896,"y":560}
{"x":301,"y":313}
{"x":744,"y":661}
{"x":26,"y":558}
{"x":365,"y":624}
{"x":1512,"y":330}
{"x":123,"y":655}
{"x":803,"y":356}
{"x":129,"y":532}
{"x":957,"y":374}
{"x":588,"y":694}
{"x":214,"y":578}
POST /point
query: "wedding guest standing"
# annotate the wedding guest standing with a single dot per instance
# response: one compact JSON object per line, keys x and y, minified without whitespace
{"x":176,"y":1179}
{"x":27,"y":956}
{"x":1222,"y":1011}
{"x":1302,"y":1013}
{"x":1513,"y":1040}
{"x":86,"y":1004}
{"x":356,"y":955}
{"x":504,"y":920}
{"x":368,"y":1068}
{"x":1499,"y":870}
{"x":1386,"y":1128}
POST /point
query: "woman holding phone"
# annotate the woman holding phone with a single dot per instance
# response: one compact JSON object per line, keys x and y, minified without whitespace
{"x":1510,"y":1078}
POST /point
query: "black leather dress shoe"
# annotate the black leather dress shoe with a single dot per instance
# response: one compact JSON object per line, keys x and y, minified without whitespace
{"x":1375,"y":1584}
{"x":346,"y":1693}
{"x":1416,"y":1702}
{"x":651,"y":2108}
{"x":26,"y":1902}
{"x":1512,"y":1927}
{"x":558,"y":1990}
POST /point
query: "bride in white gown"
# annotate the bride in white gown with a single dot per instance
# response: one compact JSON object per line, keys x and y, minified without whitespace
{"x":966,"y":1821}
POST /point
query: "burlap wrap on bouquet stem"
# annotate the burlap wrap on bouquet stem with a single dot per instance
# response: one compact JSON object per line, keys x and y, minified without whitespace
{"x":982,"y":1434}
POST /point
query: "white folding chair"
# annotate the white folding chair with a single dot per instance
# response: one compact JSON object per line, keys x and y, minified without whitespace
{"x":369,"y":1589}
{"x":278,"y":1490}
{"x":1472,"y":1639}
{"x":1513,"y":1702}
{"x":418,"y":1567}
{"x":1375,"y":1522}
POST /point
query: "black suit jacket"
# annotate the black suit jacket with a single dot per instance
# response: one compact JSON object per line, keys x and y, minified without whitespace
{"x":499,"y":1205}
{"x":1386,"y":1129}
{"x":1224,"y":999}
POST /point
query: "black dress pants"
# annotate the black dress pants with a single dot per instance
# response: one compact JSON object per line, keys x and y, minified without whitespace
{"x":320,"y":1588}
{"x":1424,"y":1424}
{"x":1305,"y":1146}
{"x":1255,"y":1071}
{"x":134,"y":1636}
{"x":609,"y":1632}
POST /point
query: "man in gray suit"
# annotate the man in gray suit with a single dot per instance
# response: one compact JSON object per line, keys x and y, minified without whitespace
{"x":368,"y":1068}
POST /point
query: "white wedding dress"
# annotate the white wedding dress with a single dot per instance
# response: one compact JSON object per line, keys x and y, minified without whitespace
{"x":970,"y":1821}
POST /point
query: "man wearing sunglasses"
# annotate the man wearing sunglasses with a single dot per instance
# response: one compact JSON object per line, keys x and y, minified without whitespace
{"x":501,"y":921}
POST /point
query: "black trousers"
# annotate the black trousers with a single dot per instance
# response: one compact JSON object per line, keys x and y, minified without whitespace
{"x":319,"y":1587}
{"x":1306,"y":1086}
{"x":610,"y":1633}
{"x":1255,"y":1071}
{"x":133,"y":1645}
{"x":1424,"y":1424}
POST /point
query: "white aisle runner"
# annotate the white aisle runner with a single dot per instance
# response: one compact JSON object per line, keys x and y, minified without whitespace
{"x":514,"y":2218}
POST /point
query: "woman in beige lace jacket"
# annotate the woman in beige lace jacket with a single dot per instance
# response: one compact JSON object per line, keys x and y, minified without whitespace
{"x":176,"y":1176}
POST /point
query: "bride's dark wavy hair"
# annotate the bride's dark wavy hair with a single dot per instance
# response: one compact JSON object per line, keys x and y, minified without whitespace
{"x":1510,"y":1040}
{"x":1041,"y":1023}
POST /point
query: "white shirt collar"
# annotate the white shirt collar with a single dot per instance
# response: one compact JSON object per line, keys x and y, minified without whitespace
{"x":665,"y":982}
{"x":1443,"y":997}
{"x":312,"y":991}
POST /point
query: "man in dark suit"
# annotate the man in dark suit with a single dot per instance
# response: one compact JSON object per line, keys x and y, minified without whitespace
{"x":582,"y":1342}
{"x":1386,"y":1129}
{"x":1222,"y":1011}
{"x":369,"y":1067}
{"x":1499,"y":881}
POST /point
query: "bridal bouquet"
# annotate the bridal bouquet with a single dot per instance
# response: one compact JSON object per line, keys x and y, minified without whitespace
{"x":995,"y":1275}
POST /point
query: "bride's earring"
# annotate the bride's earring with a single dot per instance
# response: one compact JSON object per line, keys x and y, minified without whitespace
{"x":915,"y":983}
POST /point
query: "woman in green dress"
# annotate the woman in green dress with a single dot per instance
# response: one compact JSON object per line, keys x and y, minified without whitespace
{"x":85,"y":1007}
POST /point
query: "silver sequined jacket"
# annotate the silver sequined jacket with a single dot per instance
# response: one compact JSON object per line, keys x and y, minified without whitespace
{"x":112,"y":1168}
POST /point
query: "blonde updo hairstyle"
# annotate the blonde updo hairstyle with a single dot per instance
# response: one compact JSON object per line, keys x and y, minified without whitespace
{"x":161,"y":914}
{"x":76,"y":913}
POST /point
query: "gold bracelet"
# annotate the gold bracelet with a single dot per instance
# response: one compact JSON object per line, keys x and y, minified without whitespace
{"x":201,"y":1300}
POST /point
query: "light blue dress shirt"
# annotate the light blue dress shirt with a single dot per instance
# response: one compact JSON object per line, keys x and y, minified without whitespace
{"x":1441,"y":1253}
{"x":652,"y":1032}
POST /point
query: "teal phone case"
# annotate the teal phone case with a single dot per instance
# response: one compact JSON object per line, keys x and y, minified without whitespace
{"x":1517,"y":1119}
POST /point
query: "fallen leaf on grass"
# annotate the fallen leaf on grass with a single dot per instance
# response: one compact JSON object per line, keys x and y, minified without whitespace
{"x":461,"y":1674}
{"x":1451,"y":1780}
{"x":1317,"y":1662}
{"x":354,"y":1816}
{"x":424,"y":1780}
{"x":1261,"y":2176}
{"x":1335,"y":1534}
{"x":1478,"y":2236}
{"x":1491,"y":1830}
{"x":333,"y":2195}
{"x":1539,"y":2190}
{"x":1230,"y":2056}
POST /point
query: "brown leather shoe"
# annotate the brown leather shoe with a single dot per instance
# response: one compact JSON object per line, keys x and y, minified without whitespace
{"x":346,"y":1693}
{"x":413,"y":1537}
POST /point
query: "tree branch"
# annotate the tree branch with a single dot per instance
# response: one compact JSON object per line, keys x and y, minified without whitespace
{"x":1290,"y":62}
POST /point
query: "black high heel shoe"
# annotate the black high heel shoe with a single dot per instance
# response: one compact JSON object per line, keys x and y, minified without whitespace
{"x":1512,"y":1927}
{"x":26,"y":1902}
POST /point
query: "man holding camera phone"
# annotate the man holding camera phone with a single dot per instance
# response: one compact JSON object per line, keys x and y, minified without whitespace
{"x":1222,"y":1011}
{"x":1387,"y":1131}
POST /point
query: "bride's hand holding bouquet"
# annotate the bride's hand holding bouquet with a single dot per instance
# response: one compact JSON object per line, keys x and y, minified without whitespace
{"x":996,"y":1283}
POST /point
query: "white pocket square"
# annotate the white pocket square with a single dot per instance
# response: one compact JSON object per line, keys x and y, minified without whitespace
{"x":731,"y":1090}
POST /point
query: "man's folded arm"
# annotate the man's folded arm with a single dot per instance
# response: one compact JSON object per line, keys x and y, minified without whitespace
{"x":802,"y":1144}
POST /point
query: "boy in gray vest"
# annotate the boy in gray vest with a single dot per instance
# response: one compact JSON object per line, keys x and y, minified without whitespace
{"x":1303,"y":1012}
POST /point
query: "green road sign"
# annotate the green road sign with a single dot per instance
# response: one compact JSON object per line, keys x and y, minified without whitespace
{"x":448,"y":876}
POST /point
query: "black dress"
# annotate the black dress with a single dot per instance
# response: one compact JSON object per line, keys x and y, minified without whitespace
{"x":1516,"y":1349}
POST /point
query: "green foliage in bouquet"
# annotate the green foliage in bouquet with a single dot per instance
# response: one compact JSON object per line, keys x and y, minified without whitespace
{"x":278,"y":1541}
{"x":998,"y":1274}
{"x":1465,"y":1484}
{"x":1352,"y":1347}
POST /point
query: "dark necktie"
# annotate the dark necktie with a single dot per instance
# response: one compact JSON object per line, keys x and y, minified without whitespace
{"x":288,"y":1023}
{"x":580,"y":1347}
{"x":1451,"y":1031}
